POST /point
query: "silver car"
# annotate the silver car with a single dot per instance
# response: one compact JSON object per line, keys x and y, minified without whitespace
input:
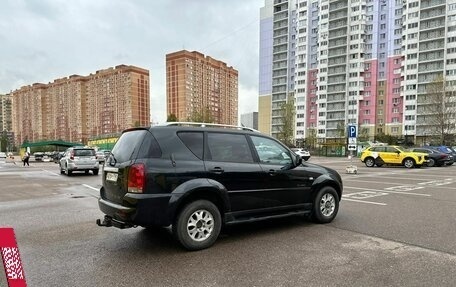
{"x":79,"y":159}
{"x":305,"y":154}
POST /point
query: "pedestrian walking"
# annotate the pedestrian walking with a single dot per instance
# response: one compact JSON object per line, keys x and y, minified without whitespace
{"x":26,"y":158}
{"x":11,"y":156}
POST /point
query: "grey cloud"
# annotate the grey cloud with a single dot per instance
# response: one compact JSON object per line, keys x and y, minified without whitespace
{"x":61,"y":38}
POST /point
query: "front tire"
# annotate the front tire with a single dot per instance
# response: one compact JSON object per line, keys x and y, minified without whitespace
{"x":326,"y":205}
{"x":197,"y":225}
{"x":409,"y":163}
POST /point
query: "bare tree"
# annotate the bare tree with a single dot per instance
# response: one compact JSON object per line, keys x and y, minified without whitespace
{"x":172,"y":118}
{"x":203,"y":116}
{"x":363,"y":135}
{"x":437,"y":109}
{"x":286,"y":134}
{"x":311,"y":137}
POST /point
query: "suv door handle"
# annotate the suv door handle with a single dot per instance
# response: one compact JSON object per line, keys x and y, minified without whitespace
{"x":272,"y":172}
{"x":217,"y":170}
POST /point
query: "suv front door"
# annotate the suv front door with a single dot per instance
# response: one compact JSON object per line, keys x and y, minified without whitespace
{"x":283,"y":184}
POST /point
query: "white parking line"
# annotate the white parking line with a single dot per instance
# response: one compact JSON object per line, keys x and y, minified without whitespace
{"x":363,"y":201}
{"x":91,"y":187}
{"x":383,"y":190}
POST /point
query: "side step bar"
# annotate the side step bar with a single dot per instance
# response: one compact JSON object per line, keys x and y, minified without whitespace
{"x":109,"y":222}
{"x":267,"y":217}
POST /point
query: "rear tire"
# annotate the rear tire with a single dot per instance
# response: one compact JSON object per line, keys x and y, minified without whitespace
{"x":197,"y":225}
{"x":369,"y":162}
{"x":95,"y":172}
{"x":67,"y":171}
{"x":431,"y":162}
{"x":326,"y":205}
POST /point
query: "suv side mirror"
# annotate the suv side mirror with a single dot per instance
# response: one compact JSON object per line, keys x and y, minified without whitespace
{"x":297,"y":160}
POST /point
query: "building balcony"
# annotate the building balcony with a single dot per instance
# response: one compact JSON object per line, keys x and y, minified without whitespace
{"x":428,"y":4}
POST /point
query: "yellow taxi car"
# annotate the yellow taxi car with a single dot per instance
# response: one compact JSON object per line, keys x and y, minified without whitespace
{"x":392,"y":155}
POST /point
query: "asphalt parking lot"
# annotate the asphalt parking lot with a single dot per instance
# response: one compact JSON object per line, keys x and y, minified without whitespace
{"x":395,"y":227}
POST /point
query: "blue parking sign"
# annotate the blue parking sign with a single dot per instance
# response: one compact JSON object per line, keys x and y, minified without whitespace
{"x":352,"y":131}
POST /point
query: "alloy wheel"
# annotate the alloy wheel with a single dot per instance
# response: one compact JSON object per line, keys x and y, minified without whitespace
{"x":327,"y":204}
{"x":200,"y":225}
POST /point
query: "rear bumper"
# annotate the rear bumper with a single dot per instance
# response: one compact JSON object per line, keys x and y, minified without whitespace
{"x":138,"y":209}
{"x":72,"y":166}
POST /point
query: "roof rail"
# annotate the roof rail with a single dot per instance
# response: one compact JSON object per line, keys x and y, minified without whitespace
{"x":194,"y":124}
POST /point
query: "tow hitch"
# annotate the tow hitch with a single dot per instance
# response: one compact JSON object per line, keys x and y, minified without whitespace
{"x":109,"y":221}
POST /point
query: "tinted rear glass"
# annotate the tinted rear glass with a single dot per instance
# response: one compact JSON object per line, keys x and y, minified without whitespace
{"x":84,"y":152}
{"x":128,"y":146}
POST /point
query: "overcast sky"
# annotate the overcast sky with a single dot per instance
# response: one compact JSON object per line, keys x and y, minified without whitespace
{"x":42,"y":40}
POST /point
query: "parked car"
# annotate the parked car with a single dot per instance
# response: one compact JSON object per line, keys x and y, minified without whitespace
{"x":2,"y":155}
{"x":79,"y":159}
{"x":101,"y":155}
{"x":38,"y":156}
{"x":199,"y":178}
{"x":57,"y":156}
{"x":448,"y":150}
{"x":392,"y":155}
{"x":305,"y":154}
{"x":436,"y":158}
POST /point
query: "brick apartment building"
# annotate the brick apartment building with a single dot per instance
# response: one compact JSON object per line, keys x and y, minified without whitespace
{"x":76,"y":108}
{"x":196,"y":84}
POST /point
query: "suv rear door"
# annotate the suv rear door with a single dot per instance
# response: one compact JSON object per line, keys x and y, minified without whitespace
{"x":229,"y":161}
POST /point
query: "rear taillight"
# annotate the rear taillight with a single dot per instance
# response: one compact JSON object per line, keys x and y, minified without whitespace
{"x":136,"y":178}
{"x":72,"y":155}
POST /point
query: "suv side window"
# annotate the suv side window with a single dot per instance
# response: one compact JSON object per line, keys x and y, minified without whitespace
{"x":193,"y":141}
{"x":229,"y":147}
{"x":270,"y":151}
{"x":378,"y":149}
{"x":391,"y":149}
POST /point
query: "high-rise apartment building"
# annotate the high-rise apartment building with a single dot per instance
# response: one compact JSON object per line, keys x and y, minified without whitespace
{"x":353,"y":62}
{"x":5,"y":113}
{"x":80,"y":107}
{"x":202,"y":86}
{"x":250,"y":120}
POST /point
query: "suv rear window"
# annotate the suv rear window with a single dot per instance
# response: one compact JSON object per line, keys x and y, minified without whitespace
{"x":229,"y":148}
{"x":194,"y":142}
{"x":84,"y":152}
{"x":127,"y":146}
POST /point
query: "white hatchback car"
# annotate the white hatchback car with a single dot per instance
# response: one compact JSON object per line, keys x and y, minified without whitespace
{"x":79,"y":159}
{"x":305,"y":154}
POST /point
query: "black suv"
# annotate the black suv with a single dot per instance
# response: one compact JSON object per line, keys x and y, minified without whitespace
{"x":198,"y":179}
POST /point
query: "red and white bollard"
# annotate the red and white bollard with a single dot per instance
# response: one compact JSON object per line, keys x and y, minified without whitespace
{"x":11,"y":259}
